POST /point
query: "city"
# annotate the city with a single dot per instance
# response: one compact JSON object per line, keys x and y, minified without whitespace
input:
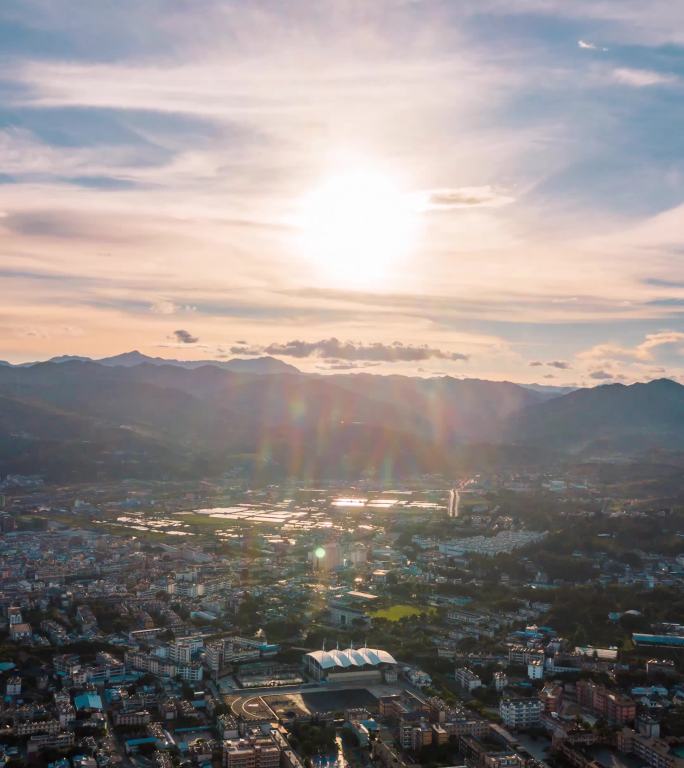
{"x":341,"y":384}
{"x":189,"y":624}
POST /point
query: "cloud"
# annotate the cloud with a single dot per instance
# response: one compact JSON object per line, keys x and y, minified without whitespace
{"x":589,"y":46}
{"x":549,"y":376}
{"x":464,"y":197}
{"x":601,"y":375}
{"x":642,"y":78}
{"x":535,"y":363}
{"x":167,"y":146}
{"x":346,"y":365}
{"x":663,"y":283}
{"x":333,"y":348}
{"x":560,"y":364}
{"x":643,"y":352}
{"x":245,"y":349}
{"x":185,"y":337}
{"x":659,"y":339}
{"x":163,"y":308}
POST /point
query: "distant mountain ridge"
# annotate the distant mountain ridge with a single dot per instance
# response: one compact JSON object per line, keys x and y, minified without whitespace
{"x":308,"y":425}
{"x":132,"y":415}
{"x":256,"y":365}
{"x":611,"y":417}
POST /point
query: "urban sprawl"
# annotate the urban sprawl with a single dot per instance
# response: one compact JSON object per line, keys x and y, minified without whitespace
{"x":500,"y":621}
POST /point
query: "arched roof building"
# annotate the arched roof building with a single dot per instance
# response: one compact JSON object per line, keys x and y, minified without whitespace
{"x":365,"y":663}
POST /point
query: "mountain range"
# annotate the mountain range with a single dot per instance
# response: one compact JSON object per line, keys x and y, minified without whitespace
{"x":130,"y":415}
{"x":256,"y":365}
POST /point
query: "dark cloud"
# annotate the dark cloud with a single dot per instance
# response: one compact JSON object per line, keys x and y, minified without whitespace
{"x":536,"y":363}
{"x":347,"y":365}
{"x":69,"y":225}
{"x":601,"y":375}
{"x":549,"y":376}
{"x":46,"y":224}
{"x":662,"y":283}
{"x":560,"y":364}
{"x":347,"y":350}
{"x":668,"y":301}
{"x":185,"y":337}
{"x":244,"y":349}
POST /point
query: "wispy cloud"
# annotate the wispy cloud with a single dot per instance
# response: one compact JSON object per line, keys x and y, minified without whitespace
{"x":163,"y":307}
{"x":347,"y":365}
{"x":642,"y":78}
{"x":465,"y":197}
{"x":643,"y":352}
{"x":589,"y":46}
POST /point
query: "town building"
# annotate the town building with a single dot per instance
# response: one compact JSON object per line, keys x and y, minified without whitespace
{"x":520,"y":713}
{"x":467,"y":679}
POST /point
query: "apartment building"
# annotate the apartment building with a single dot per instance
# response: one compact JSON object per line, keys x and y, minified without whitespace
{"x":520,"y":713}
{"x":656,"y":753}
{"x":415,"y":734}
{"x":614,"y":707}
{"x":467,"y":679}
{"x":132,"y":718}
{"x":521,"y":654}
{"x":259,"y":752}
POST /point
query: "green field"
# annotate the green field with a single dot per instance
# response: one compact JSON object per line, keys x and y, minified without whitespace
{"x":398,"y":612}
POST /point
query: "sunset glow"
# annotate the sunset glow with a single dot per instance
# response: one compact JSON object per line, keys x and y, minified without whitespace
{"x":500,"y":183}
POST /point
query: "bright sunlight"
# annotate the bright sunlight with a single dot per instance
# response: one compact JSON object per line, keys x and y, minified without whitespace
{"x":357,"y":226}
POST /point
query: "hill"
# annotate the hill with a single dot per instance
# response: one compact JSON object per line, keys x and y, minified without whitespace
{"x":612,"y":418}
{"x":256,"y":365}
{"x":313,"y":426}
{"x":77,"y":418}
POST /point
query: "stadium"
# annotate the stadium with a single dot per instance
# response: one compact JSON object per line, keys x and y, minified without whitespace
{"x":352,"y":664}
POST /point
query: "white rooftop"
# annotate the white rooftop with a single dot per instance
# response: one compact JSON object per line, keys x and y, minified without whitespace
{"x":352,"y":657}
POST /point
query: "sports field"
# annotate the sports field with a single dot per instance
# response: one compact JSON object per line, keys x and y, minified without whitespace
{"x":400,"y":611}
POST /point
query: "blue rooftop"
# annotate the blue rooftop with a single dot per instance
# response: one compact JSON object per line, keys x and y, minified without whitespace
{"x":671,"y":640}
{"x":88,"y":701}
{"x":143,"y":740}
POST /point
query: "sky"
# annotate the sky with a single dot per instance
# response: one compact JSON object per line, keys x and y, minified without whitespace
{"x":478,"y":188}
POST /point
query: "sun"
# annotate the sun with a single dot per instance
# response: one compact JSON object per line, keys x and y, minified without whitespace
{"x":358,"y":225}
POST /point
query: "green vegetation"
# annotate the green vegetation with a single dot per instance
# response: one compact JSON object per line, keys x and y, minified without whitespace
{"x":439,"y":754}
{"x":401,"y":611}
{"x":314,"y":738}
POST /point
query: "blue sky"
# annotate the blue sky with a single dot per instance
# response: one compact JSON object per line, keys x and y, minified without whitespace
{"x":156,"y":159}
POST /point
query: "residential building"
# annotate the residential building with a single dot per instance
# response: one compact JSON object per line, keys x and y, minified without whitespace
{"x":520,"y":713}
{"x":259,"y":752}
{"x":614,"y":707}
{"x":467,"y":679}
{"x":655,"y":752}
